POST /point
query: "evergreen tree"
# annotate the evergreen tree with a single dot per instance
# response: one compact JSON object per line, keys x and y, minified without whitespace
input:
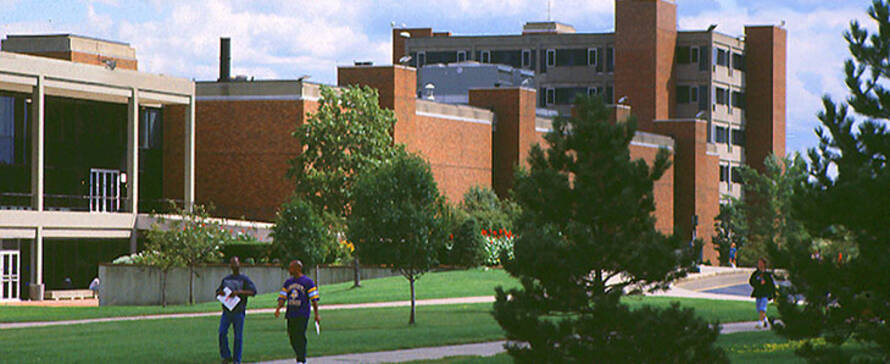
{"x":848,"y":199}
{"x":585,"y":237}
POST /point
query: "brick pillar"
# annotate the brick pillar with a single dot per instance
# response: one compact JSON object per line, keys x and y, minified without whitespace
{"x":645,"y":43}
{"x":764,"y":93}
{"x":397,"y":87}
{"x":514,"y":130}
{"x":398,"y":41}
{"x":696,"y":181}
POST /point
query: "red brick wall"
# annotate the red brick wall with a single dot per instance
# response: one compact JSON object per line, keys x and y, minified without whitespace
{"x":663,"y":189}
{"x":696,"y":189}
{"x":459,"y":153}
{"x":397,"y":88}
{"x":765,"y":93}
{"x":87,"y":58}
{"x":514,"y":133}
{"x":645,"y":42}
{"x":241,"y":154}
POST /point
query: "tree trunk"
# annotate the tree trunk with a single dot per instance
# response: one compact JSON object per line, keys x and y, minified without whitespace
{"x":163,"y":288}
{"x":191,"y":289}
{"x":358,"y":273}
{"x":411,"y":320}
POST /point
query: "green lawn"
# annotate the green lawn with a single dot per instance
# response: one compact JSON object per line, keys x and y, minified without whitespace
{"x":463,"y":283}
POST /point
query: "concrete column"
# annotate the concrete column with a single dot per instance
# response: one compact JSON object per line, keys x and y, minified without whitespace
{"x":133,"y":152}
{"x":134,"y":242}
{"x":189,"y":166}
{"x":37,"y":148}
{"x":36,"y":287}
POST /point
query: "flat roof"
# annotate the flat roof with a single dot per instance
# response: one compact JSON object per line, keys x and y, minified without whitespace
{"x":69,"y":35}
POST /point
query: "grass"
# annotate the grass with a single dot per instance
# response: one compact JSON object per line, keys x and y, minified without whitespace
{"x":193,"y":340}
{"x":463,"y":283}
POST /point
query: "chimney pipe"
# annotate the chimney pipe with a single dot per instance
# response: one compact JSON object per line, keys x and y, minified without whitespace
{"x":225,"y":59}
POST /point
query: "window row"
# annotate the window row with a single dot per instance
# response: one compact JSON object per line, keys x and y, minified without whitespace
{"x":692,"y":94}
{"x":732,"y":174}
{"x":603,"y":59}
{"x":723,"y":96}
{"x":724,"y":135}
{"x":720,"y":57}
{"x":566,"y":95}
{"x":728,"y":58}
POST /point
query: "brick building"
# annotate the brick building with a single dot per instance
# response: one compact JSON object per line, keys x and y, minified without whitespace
{"x":720,"y":97}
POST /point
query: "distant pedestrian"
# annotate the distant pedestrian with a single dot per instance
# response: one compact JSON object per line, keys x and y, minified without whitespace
{"x":298,"y":291}
{"x":239,"y":285}
{"x":764,"y":290}
{"x":732,"y":252}
{"x":94,"y":286}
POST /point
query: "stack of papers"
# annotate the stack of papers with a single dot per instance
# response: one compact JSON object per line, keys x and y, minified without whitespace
{"x":229,"y":301}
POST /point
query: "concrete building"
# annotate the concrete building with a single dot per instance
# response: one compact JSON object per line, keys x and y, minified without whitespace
{"x":78,"y":152}
{"x":720,"y":97}
{"x":451,"y":83}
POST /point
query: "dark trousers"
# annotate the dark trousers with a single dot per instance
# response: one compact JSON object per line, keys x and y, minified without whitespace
{"x":296,"y":331}
{"x":235,"y":319}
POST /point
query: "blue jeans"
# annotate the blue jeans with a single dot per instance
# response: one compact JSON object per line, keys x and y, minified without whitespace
{"x":761,"y":303}
{"x":236,"y":319}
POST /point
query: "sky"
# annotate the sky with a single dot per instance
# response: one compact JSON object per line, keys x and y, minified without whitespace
{"x":287,"y":39}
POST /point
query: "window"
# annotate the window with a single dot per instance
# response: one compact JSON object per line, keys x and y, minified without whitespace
{"x":461,"y":56}
{"x":738,"y":99}
{"x":721,"y":96}
{"x":591,"y":57}
{"x":720,"y":135}
{"x":720,"y":57}
{"x":737,"y":175}
{"x":683,"y":94}
{"x":610,"y":95}
{"x":7,"y":130}
{"x":738,"y":137}
{"x":693,"y":94}
{"x":610,"y":59}
{"x":703,"y":62}
{"x":526,"y":58}
{"x":703,"y":94}
{"x":571,"y":57}
{"x":551,"y":96}
{"x":683,"y":55}
{"x":591,"y":91}
{"x":693,"y":55}
{"x":738,"y":61}
{"x":485,"y":57}
{"x":150,"y":129}
{"x":551,"y":57}
{"x":724,"y":173}
{"x":421,"y":59}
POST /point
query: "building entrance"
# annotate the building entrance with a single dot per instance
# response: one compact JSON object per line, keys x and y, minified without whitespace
{"x":10,"y":265}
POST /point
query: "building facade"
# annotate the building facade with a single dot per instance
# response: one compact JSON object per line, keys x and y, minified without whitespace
{"x":79,"y":150}
{"x":720,"y":97}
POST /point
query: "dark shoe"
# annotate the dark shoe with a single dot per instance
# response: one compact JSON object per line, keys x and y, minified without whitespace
{"x":227,"y":361}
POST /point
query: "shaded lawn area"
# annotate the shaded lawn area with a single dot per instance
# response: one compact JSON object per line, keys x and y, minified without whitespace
{"x":460,"y":283}
{"x":745,"y":347}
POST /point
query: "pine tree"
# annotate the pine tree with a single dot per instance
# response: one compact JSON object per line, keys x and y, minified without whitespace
{"x":848,"y":199}
{"x":586,"y":235}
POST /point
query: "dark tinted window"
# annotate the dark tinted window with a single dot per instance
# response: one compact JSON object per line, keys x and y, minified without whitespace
{"x":571,"y":57}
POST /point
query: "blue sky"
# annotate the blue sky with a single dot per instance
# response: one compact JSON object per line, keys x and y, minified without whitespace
{"x":291,"y":38}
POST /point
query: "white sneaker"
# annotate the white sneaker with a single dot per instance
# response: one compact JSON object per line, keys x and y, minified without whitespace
{"x":759,"y":325}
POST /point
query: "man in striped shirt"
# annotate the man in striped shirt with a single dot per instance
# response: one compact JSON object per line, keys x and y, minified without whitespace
{"x":298,"y":291}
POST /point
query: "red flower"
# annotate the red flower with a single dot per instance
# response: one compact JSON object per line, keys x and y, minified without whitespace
{"x":450,"y":236}
{"x":509,"y":234}
{"x":484,"y":233}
